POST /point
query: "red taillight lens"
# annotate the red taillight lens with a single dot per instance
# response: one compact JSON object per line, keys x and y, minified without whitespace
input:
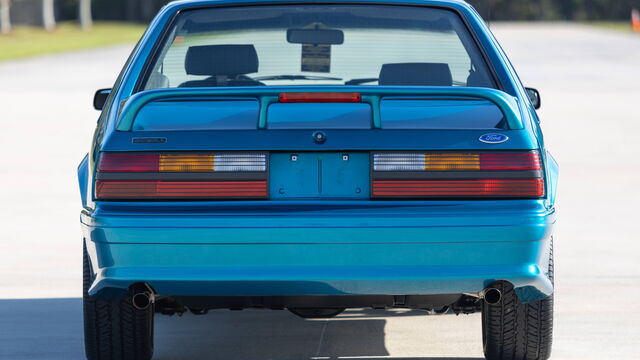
{"x":203,"y":176}
{"x":458,"y":188}
{"x":510,"y":161}
{"x":510,"y":174}
{"x":129,"y":162}
{"x":122,"y":190}
{"x":320,"y":97}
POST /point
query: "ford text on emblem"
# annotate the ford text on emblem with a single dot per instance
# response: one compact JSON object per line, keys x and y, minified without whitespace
{"x":494,"y":138}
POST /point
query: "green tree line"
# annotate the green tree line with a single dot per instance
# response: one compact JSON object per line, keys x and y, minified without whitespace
{"x":555,"y":9}
{"x":47,"y":12}
{"x":143,"y":10}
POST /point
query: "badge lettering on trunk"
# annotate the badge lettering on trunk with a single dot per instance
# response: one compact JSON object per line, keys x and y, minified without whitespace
{"x":494,"y":138}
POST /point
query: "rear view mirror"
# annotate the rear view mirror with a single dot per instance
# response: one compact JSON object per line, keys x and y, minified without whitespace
{"x":315,"y":36}
{"x":100,"y":98}
{"x":534,"y":95}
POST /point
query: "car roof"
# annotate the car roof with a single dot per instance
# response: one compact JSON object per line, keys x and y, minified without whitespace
{"x":186,"y":4}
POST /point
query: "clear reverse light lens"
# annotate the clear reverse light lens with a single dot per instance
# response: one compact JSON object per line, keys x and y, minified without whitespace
{"x":240,"y":162}
{"x":399,"y":162}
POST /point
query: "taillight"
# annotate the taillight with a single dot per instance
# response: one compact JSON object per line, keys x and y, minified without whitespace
{"x":457,"y":161}
{"x":180,"y":189}
{"x":199,"y":176}
{"x":327,"y":97}
{"x":407,"y":175}
{"x":177,"y":162}
{"x":459,"y":188}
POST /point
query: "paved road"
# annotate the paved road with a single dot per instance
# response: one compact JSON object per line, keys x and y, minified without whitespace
{"x":590,"y":81}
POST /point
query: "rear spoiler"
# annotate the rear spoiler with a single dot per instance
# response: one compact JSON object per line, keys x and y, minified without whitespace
{"x":269,"y":95}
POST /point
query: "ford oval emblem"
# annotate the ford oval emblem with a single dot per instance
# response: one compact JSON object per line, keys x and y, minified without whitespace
{"x":494,"y":138}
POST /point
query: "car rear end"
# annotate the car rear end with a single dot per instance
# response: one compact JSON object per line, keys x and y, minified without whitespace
{"x":360,"y":212}
{"x":274,"y":156}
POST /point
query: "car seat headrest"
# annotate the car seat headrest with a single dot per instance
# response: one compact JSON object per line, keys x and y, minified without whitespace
{"x":416,"y":74}
{"x":214,"y":60}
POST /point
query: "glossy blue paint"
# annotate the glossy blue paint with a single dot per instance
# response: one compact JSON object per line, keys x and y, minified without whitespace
{"x":342,"y":175}
{"x":319,"y":116}
{"x":301,"y":140}
{"x":219,"y":114}
{"x":268,"y":95}
{"x":83,"y":179}
{"x":311,"y":269}
{"x":323,"y":246}
{"x":320,"y":247}
{"x":432,"y":114}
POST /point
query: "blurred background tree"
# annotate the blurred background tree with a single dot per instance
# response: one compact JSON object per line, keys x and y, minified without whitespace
{"x":48,"y":15}
{"x":5,"y":19}
{"x":120,"y":21}
{"x":580,"y":10}
{"x":143,"y":10}
{"x":84,"y":14}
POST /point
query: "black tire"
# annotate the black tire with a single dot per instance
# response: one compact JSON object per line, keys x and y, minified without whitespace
{"x":512,"y":330}
{"x":317,"y":313}
{"x":115,"y":330}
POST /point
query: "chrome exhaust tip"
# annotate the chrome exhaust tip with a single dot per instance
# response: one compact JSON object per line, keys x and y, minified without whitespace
{"x":492,"y":296}
{"x":142,"y":300}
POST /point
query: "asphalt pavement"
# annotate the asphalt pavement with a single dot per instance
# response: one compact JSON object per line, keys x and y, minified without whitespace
{"x":590,"y":84}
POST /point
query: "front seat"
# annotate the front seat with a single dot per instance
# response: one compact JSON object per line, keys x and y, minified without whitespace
{"x":416,"y":74}
{"x":225,"y":65}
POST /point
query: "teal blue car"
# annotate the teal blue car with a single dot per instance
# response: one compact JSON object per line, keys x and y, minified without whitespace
{"x":315,"y":156}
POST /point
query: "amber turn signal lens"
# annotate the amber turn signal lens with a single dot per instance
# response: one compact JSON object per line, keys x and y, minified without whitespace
{"x":451,"y":162}
{"x":186,"y":163}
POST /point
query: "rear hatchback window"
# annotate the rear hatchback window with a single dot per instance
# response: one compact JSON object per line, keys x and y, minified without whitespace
{"x":319,"y":45}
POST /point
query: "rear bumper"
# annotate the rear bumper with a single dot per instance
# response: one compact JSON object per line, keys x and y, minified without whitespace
{"x":298,"y":249}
